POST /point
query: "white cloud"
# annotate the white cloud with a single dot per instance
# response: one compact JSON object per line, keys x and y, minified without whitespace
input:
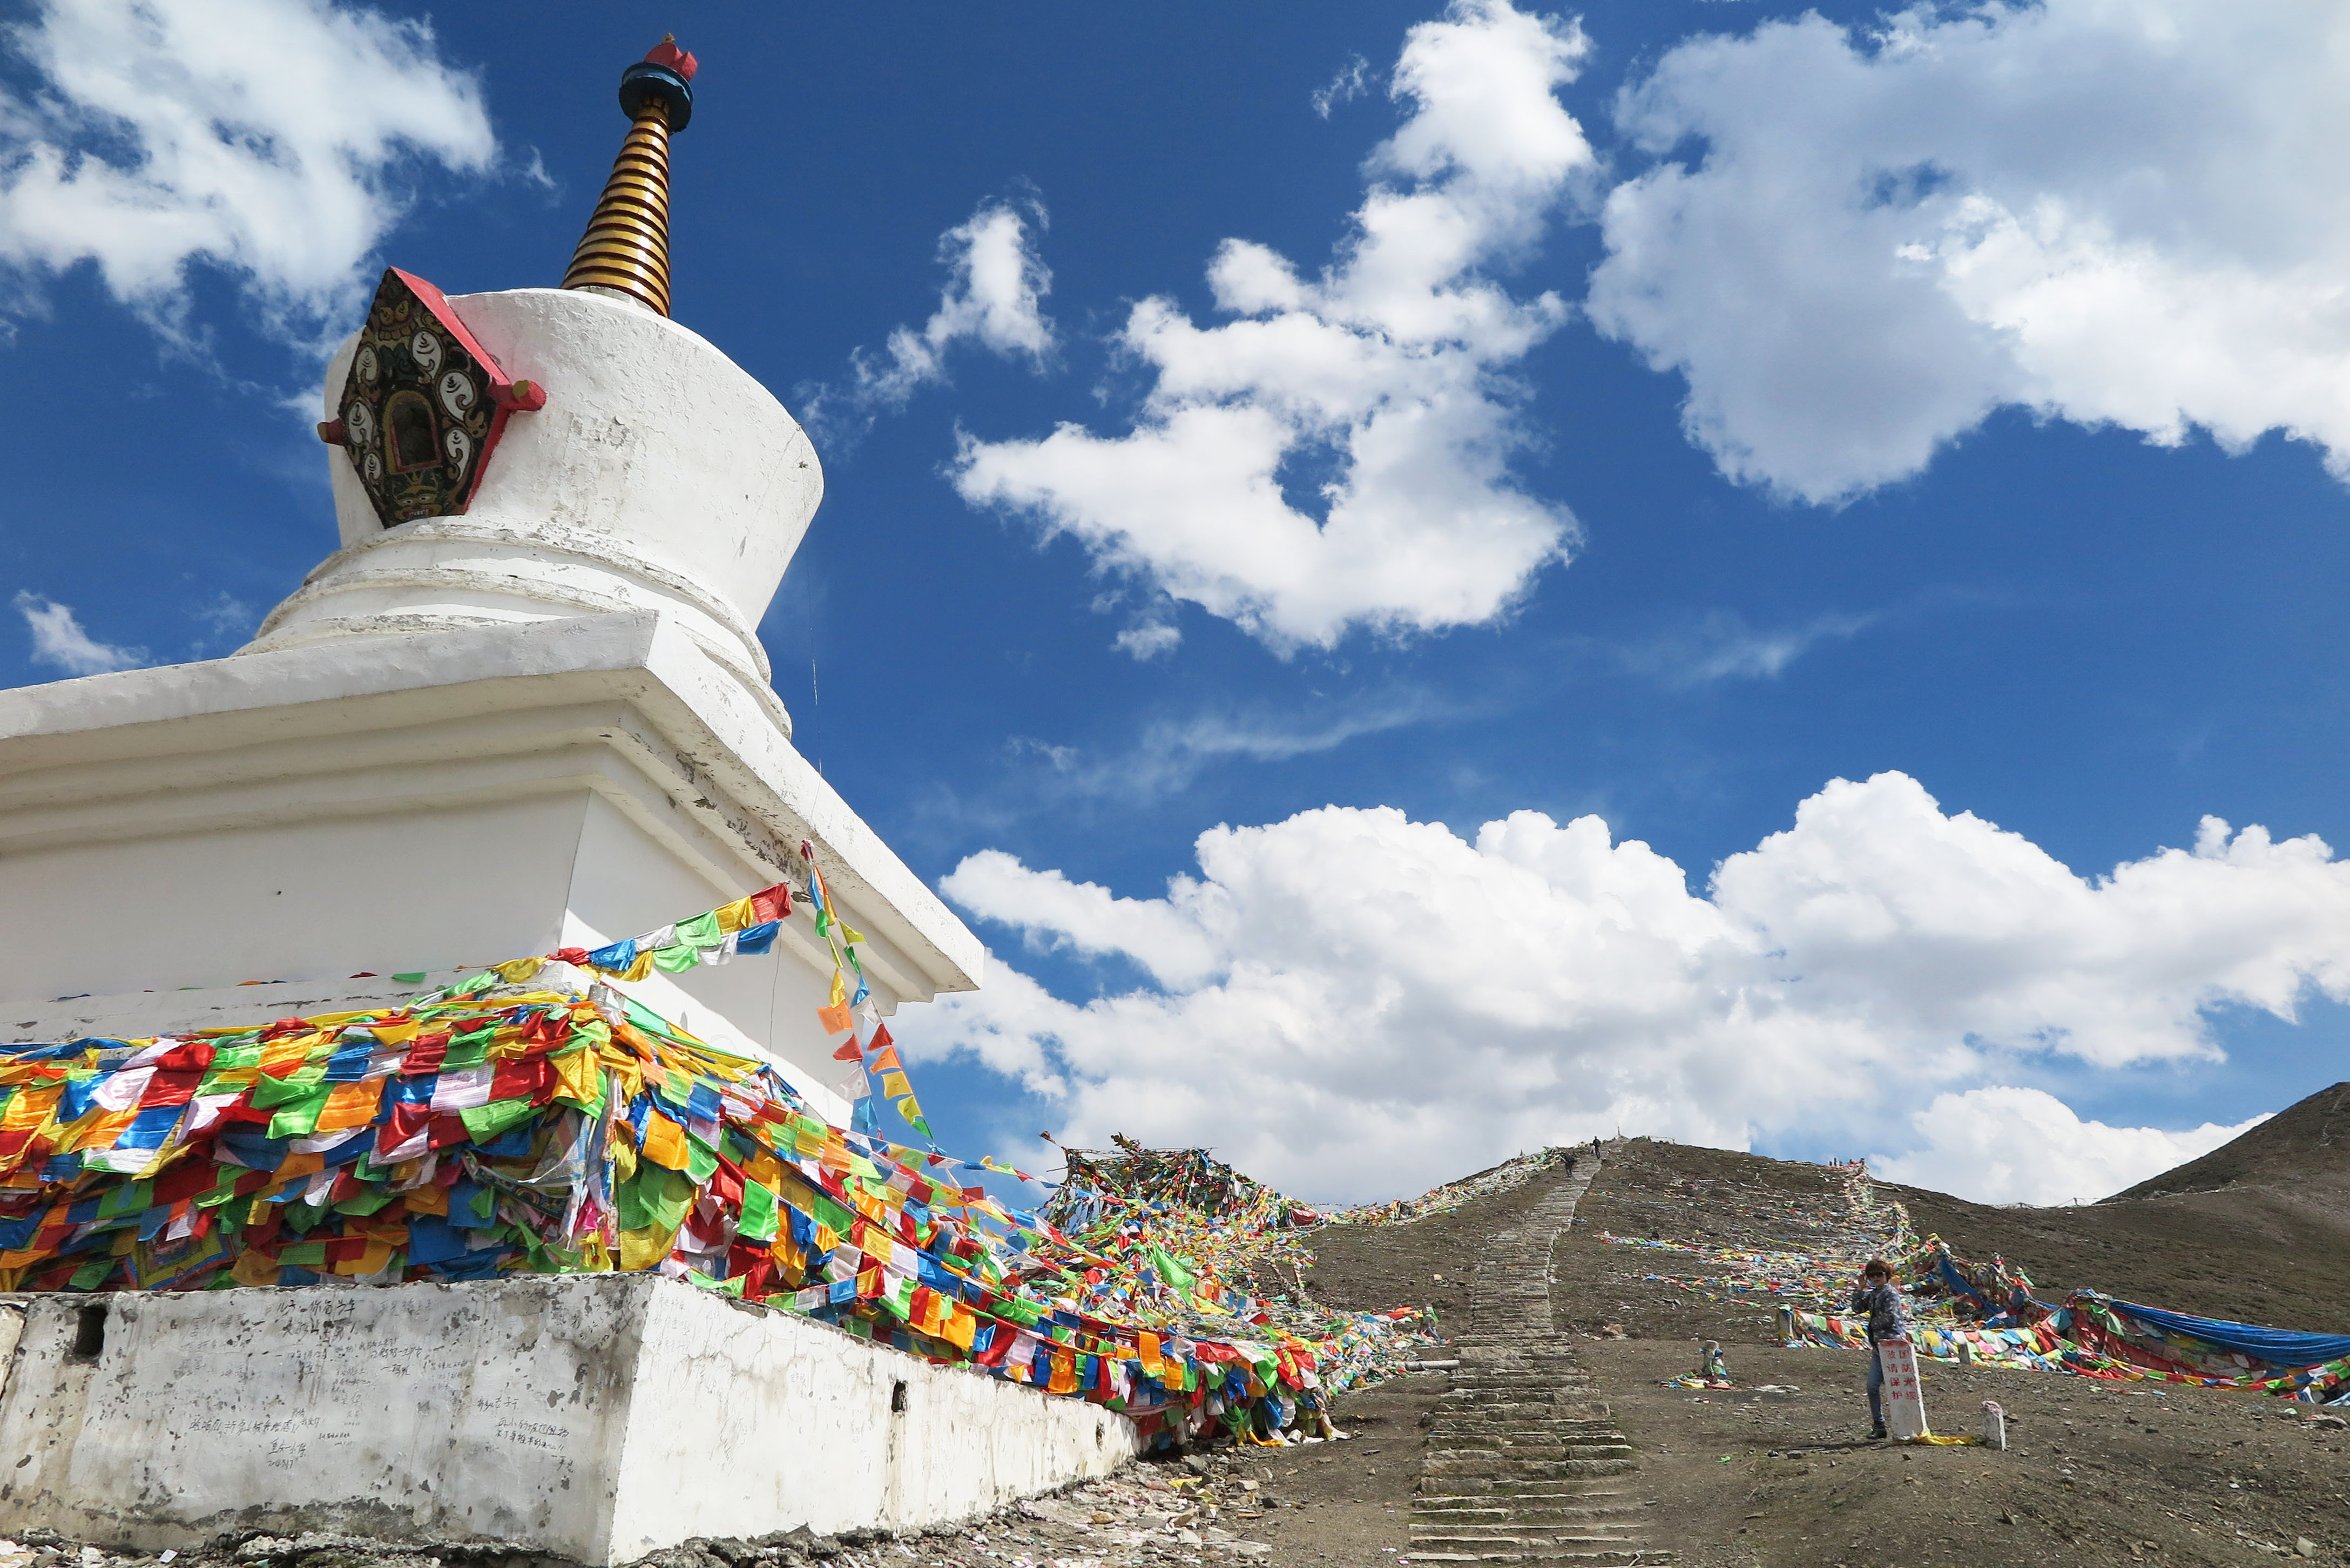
{"x":1149,"y":640}
{"x":2025,"y":1145}
{"x":994,"y":296}
{"x":265,"y":137}
{"x":59,"y":641}
{"x":1169,"y":753}
{"x":1169,"y":937}
{"x":1348,"y":1002}
{"x":1859,"y":242}
{"x":1380,"y":385}
{"x":1721,"y":646}
{"x":1352,"y":80}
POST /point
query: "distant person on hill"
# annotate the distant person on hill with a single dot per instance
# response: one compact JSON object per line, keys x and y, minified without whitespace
{"x":1888,"y":1318}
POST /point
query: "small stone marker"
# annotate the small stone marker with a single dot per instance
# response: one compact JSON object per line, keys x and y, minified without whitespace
{"x":1994,"y":1426}
{"x":1904,"y":1398}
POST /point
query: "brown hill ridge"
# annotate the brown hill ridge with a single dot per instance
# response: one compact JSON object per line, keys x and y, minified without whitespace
{"x":2258,"y":1230}
{"x":2306,"y":1142}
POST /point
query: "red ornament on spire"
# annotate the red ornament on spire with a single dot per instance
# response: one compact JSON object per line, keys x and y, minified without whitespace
{"x":666,"y":53}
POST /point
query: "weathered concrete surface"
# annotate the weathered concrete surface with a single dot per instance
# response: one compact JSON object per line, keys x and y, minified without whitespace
{"x":601,"y":1418}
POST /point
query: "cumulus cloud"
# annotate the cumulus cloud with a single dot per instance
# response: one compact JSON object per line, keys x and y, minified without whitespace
{"x":267,"y":137}
{"x":59,"y":641}
{"x":1348,"y":1002}
{"x":1338,"y":453}
{"x":2005,"y":1144}
{"x":1856,"y":243}
{"x":994,"y":296}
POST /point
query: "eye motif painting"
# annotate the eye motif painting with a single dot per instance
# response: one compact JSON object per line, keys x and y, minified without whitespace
{"x":423,"y":405}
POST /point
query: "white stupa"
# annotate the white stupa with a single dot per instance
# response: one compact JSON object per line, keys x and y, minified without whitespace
{"x":523,"y":707}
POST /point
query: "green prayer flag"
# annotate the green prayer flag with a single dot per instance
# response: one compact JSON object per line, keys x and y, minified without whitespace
{"x":269,"y":1093}
{"x":674,"y":960}
{"x":758,"y":1222}
{"x":701,"y":931}
{"x":469,"y":1049}
{"x":1169,"y":1269}
{"x":233,"y":1054}
{"x":701,"y":1159}
{"x":415,"y":977}
{"x":835,"y":1215}
{"x":298,"y":1118}
{"x":655,"y":1196}
{"x":485,"y":1122}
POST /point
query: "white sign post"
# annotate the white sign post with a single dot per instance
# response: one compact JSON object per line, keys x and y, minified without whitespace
{"x":1905,"y":1399}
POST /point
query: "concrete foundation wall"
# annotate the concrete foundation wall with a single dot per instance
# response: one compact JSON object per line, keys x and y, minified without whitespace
{"x":597,"y":1417}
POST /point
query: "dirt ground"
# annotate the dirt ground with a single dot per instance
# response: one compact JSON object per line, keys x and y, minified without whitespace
{"x":1739,"y":1478}
{"x":1424,"y":1263}
{"x":2095,"y":1474}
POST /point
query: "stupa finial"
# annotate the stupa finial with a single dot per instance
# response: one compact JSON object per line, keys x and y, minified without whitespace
{"x":624,"y":251}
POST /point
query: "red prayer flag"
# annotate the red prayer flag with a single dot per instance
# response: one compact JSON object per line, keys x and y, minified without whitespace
{"x":171,"y":1088}
{"x":426,"y":1054}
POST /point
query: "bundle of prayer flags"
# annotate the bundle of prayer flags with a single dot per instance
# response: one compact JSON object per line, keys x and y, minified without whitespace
{"x":530,"y":1120}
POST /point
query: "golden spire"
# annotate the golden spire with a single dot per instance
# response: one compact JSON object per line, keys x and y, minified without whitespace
{"x":626,"y":248}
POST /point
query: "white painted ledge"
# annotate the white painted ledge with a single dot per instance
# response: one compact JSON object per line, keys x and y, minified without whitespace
{"x":599,"y":1416}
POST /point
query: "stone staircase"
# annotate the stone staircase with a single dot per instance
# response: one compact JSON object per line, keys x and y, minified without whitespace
{"x":1522,"y":1466}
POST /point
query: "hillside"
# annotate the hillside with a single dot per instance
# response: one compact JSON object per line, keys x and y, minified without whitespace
{"x":2257,"y":1231}
{"x":2099,"y":1474}
{"x":2308,"y":1142}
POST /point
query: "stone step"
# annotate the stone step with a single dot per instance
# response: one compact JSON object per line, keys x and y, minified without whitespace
{"x":1532,"y":1450}
{"x":1611,"y":1522}
{"x":1576,"y":1494}
{"x":1601,"y":1557}
{"x":1501,"y":1487}
{"x":1523,"y":1460}
{"x":1500,"y":1542}
{"x":1524,"y":1421}
{"x":1518,"y":1451}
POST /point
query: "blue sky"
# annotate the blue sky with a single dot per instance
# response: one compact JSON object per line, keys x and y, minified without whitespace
{"x":1721,"y":399}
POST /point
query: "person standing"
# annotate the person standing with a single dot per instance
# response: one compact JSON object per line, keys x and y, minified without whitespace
{"x":1888,"y":1318}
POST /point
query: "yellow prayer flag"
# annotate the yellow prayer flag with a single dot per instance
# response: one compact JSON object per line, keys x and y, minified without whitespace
{"x":576,"y":1075}
{"x":736,"y":916}
{"x":349,"y":1105}
{"x":255,"y":1269}
{"x":665,"y":1142}
{"x":645,"y":1248}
